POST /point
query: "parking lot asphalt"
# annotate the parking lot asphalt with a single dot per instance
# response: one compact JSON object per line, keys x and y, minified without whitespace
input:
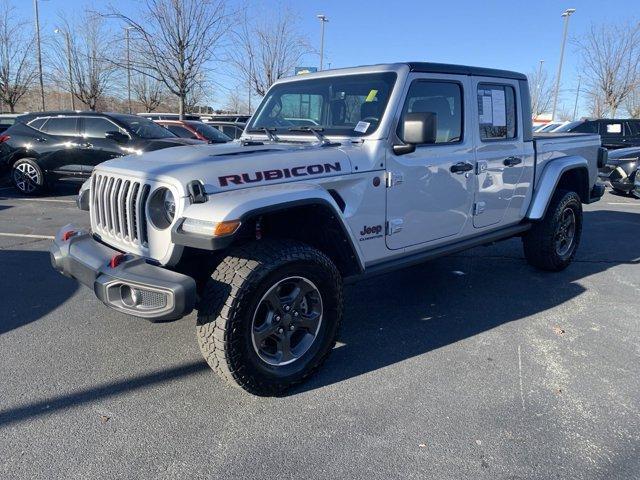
{"x":471,"y":366}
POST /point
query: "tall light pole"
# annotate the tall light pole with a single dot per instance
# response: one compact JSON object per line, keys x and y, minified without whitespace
{"x":126,"y":30}
{"x":575,"y":105}
{"x":67,"y":39}
{"x":566,"y":14}
{"x":323,"y":19}
{"x":39,"y":50}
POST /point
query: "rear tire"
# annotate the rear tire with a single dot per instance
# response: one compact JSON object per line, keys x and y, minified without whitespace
{"x":552,"y":243}
{"x":27,"y":177}
{"x":246,"y":327}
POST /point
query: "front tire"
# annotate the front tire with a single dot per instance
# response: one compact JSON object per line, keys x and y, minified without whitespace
{"x":552,"y":243}
{"x":27,"y":177}
{"x":269,"y":315}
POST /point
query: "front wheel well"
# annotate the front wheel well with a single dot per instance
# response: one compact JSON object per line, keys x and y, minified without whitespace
{"x":315,"y":224}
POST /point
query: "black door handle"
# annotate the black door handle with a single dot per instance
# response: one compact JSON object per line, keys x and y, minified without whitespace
{"x":461,"y":167}
{"x":512,"y":161}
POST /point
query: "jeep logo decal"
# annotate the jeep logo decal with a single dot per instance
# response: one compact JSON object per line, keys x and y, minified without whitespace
{"x":369,"y":233}
{"x":277,"y":174}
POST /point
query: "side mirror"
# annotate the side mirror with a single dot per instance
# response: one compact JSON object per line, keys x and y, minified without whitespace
{"x":116,"y":136}
{"x":418,"y":128}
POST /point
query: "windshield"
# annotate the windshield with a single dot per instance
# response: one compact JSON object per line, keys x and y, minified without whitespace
{"x":143,"y":128}
{"x":567,"y":127}
{"x":210,"y":133}
{"x":348,"y":105}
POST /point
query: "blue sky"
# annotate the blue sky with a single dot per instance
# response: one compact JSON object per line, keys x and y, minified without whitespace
{"x":513,"y":35}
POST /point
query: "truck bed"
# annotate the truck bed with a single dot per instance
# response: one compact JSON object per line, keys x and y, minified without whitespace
{"x":554,"y":145}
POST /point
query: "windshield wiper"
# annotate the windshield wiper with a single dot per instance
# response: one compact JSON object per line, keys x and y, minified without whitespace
{"x":317,"y":131}
{"x":268,"y":131}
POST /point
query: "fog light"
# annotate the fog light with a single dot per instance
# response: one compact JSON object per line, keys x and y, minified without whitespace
{"x":130,"y":296}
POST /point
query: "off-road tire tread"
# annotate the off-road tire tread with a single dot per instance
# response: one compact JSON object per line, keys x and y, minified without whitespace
{"x":219,"y":310}
{"x":539,"y":248}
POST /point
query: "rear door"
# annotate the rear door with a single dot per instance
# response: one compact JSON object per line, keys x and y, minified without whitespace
{"x":64,"y":157}
{"x":632,"y":133}
{"x":499,"y":150}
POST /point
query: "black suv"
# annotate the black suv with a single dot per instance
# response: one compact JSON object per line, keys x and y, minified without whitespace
{"x":615,"y":133}
{"x":41,"y":148}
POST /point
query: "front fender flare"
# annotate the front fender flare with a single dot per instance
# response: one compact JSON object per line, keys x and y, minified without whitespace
{"x":549,"y":179}
{"x":245,"y":203}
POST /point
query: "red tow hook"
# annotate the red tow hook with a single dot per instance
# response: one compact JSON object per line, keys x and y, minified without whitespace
{"x":117,"y":260}
{"x":67,"y":235}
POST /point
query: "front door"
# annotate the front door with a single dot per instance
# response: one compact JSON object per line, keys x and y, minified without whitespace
{"x":499,"y":154}
{"x":430,"y":191}
{"x":96,"y":148}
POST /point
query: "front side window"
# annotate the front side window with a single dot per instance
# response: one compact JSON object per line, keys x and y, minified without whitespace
{"x":496,"y":112}
{"x":586,"y":127}
{"x":346,"y":105}
{"x":444,"y":99}
{"x":96,"y":127}
{"x":181,"y":131}
{"x":143,"y":128}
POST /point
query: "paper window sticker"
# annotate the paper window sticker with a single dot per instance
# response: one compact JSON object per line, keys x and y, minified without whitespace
{"x":614,"y":128}
{"x":499,"y":110}
{"x":487,"y":111}
{"x":361,"y":127}
{"x":372,"y":96}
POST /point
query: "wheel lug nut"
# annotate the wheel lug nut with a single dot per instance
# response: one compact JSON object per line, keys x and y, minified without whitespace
{"x":287,"y":308}
{"x":280,"y":330}
{"x":295,"y":314}
{"x":291,"y":327}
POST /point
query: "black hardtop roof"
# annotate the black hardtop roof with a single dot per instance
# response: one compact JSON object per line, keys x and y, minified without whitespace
{"x":428,"y":67}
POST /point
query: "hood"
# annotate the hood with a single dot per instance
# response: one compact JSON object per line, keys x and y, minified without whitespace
{"x":230,"y":166}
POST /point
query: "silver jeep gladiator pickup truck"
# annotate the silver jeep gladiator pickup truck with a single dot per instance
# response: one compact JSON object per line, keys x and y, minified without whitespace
{"x":339,"y":175}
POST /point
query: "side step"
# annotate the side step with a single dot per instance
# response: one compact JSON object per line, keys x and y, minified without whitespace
{"x":442,"y":251}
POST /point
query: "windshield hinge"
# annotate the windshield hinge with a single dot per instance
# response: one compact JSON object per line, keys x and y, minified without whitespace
{"x":394,"y":178}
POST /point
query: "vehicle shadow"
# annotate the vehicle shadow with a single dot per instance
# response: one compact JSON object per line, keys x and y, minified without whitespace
{"x":29,"y":288}
{"x":409,"y":313}
{"x":68,"y":188}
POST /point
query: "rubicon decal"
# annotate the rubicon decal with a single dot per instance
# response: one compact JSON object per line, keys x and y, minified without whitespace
{"x":369,"y":233}
{"x":278,"y":174}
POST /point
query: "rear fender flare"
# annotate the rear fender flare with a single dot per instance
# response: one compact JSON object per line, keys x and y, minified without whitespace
{"x":548,"y":182}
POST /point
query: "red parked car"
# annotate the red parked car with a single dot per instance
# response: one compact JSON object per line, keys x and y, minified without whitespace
{"x":194,"y":129}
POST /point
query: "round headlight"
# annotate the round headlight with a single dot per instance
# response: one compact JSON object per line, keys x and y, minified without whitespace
{"x":162,"y":208}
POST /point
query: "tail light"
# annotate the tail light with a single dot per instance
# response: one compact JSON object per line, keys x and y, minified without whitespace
{"x":4,"y":138}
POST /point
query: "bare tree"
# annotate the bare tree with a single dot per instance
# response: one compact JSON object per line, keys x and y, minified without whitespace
{"x":236,"y":102}
{"x":597,"y":106}
{"x":17,"y":69}
{"x":176,"y":40}
{"x":611,"y":62}
{"x":268,"y":48}
{"x":541,"y":90}
{"x":86,"y":50}
{"x":148,"y":91}
{"x":632,"y":103}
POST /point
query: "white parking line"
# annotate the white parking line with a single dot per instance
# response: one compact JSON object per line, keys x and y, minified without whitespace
{"x":53,"y":200}
{"x":26,"y":235}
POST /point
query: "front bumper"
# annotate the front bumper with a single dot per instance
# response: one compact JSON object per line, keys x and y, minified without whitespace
{"x":133,"y":286}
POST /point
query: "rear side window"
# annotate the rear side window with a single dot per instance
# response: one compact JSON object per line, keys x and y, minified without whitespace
{"x":442,"y":98}
{"x":65,"y":126}
{"x":586,"y":127}
{"x":611,"y":129}
{"x":496,"y":112}
{"x":96,"y":127}
{"x":231,"y":131}
{"x":37,"y":123}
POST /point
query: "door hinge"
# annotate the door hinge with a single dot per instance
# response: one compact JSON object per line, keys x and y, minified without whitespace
{"x":481,"y":167}
{"x":394,"y":226}
{"x":394,"y":178}
{"x":478,"y":208}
